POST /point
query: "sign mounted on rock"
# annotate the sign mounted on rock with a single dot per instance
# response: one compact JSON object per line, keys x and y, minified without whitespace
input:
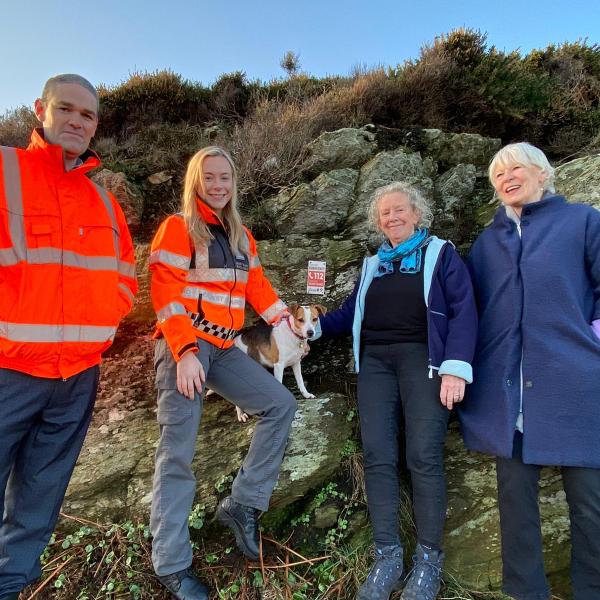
{"x":315,"y":279}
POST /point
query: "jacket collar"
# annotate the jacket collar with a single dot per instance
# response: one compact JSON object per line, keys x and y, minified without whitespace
{"x":207,"y":213}
{"x":53,"y":153}
{"x":549,"y":201}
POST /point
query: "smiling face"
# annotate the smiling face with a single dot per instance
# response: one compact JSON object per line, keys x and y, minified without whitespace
{"x":517,"y":185}
{"x":69,"y":117}
{"x":397,"y":217}
{"x":216,"y":188}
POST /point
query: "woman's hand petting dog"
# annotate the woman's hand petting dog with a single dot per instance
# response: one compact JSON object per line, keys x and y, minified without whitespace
{"x":452,"y":390}
{"x":190,"y":375}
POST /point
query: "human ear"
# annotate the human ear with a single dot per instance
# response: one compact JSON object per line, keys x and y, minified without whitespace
{"x":40,"y":110}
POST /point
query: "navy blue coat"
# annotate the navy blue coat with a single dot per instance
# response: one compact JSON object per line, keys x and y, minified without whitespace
{"x":537,"y":295}
{"x":451,"y":311}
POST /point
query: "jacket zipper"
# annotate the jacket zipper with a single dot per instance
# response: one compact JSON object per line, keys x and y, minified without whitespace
{"x":234,"y":278}
{"x":428,"y":307}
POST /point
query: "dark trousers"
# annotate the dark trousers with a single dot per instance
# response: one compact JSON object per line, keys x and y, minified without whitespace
{"x":522,"y":559}
{"x":393,"y":383}
{"x":43,"y":423}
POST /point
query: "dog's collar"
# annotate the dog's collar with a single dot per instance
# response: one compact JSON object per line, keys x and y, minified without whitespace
{"x":300,"y":337}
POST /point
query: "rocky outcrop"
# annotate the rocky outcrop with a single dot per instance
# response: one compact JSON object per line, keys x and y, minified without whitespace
{"x":293,"y":210}
{"x":386,"y":167}
{"x":579,"y":180}
{"x":286,"y":263}
{"x":455,"y":187}
{"x":113,"y":478}
{"x":451,"y":149}
{"x":346,"y":147}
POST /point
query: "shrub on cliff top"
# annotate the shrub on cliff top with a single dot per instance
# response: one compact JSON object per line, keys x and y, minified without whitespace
{"x":145,"y":98}
{"x":458,"y":83}
{"x":16,"y":127}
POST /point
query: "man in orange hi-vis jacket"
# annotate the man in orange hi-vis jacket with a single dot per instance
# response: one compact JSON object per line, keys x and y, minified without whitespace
{"x":67,"y":277}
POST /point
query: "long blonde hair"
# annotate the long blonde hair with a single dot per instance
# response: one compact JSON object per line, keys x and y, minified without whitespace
{"x":196,"y":226}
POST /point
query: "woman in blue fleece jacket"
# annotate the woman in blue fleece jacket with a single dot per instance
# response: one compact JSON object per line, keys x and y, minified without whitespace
{"x":536,"y":397}
{"x":413,"y":319}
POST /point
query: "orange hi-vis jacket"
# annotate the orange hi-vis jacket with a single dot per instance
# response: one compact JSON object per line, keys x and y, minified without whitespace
{"x":67,"y":273}
{"x":202,"y":294}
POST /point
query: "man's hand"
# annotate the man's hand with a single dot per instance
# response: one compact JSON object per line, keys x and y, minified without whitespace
{"x":190,"y":375}
{"x":452,"y":390}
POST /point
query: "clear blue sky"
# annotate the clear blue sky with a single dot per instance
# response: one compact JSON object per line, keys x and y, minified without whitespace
{"x":106,"y":40}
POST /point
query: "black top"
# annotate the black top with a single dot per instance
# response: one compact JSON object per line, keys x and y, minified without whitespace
{"x":395,"y":308}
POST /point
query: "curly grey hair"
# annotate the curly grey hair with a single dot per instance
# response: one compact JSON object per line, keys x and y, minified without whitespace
{"x":418,"y":202}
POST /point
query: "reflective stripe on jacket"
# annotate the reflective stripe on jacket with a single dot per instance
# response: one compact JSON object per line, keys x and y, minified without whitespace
{"x":204,"y":295}
{"x":67,"y":273}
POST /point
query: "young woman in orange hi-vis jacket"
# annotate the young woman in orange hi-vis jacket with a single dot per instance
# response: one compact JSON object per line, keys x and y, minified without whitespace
{"x":204,"y":269}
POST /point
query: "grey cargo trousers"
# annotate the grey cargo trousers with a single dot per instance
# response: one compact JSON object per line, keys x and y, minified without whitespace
{"x":246,"y":384}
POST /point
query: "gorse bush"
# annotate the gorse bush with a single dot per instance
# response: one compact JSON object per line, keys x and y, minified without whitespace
{"x":146,"y":98}
{"x":459,"y":84}
{"x":571,"y":120}
{"x":16,"y":127}
{"x":165,"y":97}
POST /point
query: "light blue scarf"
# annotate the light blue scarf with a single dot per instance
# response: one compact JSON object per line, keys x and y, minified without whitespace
{"x":409,"y":253}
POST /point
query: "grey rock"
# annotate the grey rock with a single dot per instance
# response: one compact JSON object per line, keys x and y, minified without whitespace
{"x":456,"y":186}
{"x":579,"y":180}
{"x":326,"y":516}
{"x":286,"y":263}
{"x":317,"y":207}
{"x":113,"y":477}
{"x":450,"y":149}
{"x":455,"y":194}
{"x":346,"y":147}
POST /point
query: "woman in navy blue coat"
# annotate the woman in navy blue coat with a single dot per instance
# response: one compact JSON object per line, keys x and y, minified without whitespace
{"x":536,"y":396}
{"x":413,"y":319}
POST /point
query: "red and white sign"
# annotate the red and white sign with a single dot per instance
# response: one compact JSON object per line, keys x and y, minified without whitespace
{"x":315,"y":280}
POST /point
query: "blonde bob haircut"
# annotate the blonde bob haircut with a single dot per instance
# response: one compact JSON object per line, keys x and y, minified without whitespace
{"x":194,"y":187}
{"x":527,"y":155}
{"x":417,"y":201}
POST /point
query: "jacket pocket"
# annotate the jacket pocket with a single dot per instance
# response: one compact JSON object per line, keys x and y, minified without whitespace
{"x":41,"y":234}
{"x":173,"y":408}
{"x":165,"y":366}
{"x":98,"y":239}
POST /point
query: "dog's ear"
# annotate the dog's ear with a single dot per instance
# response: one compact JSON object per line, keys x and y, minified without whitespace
{"x":321,"y":309}
{"x":293,"y":308}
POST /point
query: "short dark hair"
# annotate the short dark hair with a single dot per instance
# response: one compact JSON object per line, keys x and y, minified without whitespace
{"x":68,"y":78}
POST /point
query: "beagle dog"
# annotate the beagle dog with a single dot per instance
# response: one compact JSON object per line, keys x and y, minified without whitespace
{"x":282,"y":345}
